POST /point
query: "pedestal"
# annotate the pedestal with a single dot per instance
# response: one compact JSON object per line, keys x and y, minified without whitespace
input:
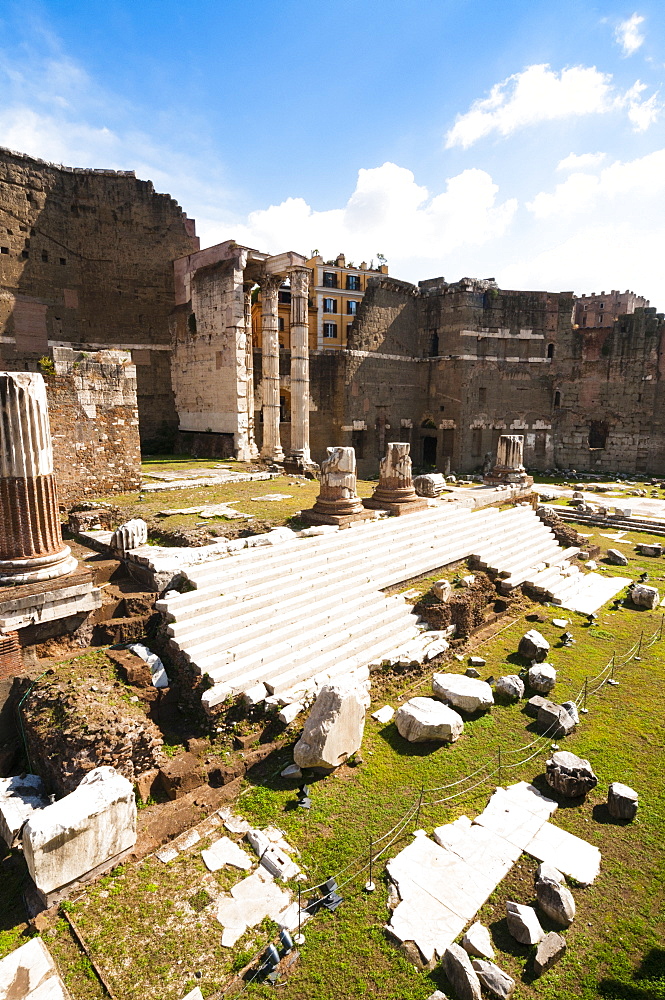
{"x":395,"y":492}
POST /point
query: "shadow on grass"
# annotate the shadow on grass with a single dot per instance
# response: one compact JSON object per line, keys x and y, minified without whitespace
{"x":648,"y":981}
{"x":404,"y":748}
{"x":601,"y":814}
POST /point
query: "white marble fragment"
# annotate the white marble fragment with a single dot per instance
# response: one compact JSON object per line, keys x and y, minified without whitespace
{"x":225,"y":852}
{"x":334,"y":729}
{"x":383,"y":715}
{"x":19,"y":797}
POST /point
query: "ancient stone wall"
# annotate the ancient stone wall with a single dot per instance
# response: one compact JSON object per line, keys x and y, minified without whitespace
{"x":94,"y":422}
{"x":86,"y":261}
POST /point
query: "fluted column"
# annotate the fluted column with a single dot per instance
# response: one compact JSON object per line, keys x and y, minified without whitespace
{"x":31,"y":546}
{"x":299,"y":277}
{"x":272,"y":447}
{"x":249,"y":368}
{"x":510,"y":452}
{"x":337,"y":493}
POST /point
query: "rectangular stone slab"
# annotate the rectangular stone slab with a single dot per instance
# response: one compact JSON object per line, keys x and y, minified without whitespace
{"x":571,"y":855}
{"x":19,"y":797}
{"x":29,"y":973}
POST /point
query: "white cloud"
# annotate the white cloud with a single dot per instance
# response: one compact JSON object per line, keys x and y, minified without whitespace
{"x":580,"y":161}
{"x":582,"y":193}
{"x":628,"y":35}
{"x":540,"y":94}
{"x":388,"y":212}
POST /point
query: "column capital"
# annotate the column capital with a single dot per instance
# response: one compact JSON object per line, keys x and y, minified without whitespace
{"x":299,"y":278}
{"x":270,"y":283}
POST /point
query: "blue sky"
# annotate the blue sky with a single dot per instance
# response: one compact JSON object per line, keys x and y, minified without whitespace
{"x":519,"y":139}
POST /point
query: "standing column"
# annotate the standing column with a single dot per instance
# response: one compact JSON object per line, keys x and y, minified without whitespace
{"x":272,"y":447}
{"x":299,"y":366}
{"x":249,"y":368}
{"x":31,"y":546}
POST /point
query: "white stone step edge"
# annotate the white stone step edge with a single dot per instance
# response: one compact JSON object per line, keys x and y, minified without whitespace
{"x":252,"y":634}
{"x":294,"y":647}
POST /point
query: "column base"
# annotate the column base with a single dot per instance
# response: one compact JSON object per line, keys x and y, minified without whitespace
{"x":313,"y":516}
{"x":272,"y":455}
{"x":14,"y":572}
{"x":397,"y":508}
{"x":296,"y":465}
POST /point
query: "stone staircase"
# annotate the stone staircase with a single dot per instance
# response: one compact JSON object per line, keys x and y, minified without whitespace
{"x":295,"y":615}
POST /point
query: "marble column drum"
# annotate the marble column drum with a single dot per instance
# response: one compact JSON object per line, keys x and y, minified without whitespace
{"x":337,"y":502}
{"x":395,"y":491}
{"x":31,"y":546}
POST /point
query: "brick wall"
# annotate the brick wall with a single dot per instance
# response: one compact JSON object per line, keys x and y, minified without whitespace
{"x":86,"y":261}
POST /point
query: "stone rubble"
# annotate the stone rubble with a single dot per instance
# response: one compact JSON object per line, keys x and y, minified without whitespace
{"x":225,"y":852}
{"x":461,"y":974}
{"x":422,"y":719}
{"x":616,"y":558}
{"x":334,"y":729}
{"x":129,"y":535}
{"x":542,"y":678}
{"x":493,"y":979}
{"x":383,"y":715}
{"x":570,"y":775}
{"x":19,"y":797}
{"x":533,"y":646}
{"x":644,"y":596}
{"x":550,"y":950}
{"x":554,"y":720}
{"x":622,"y":801}
{"x":556,"y":901}
{"x":523,"y":923}
{"x":464,"y":693}
{"x":510,"y":686}
{"x":69,"y":838}
{"x":477,"y":941}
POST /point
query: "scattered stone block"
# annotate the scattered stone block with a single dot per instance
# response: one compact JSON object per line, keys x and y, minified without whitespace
{"x":29,"y":973}
{"x":194,"y":994}
{"x":422,"y":719}
{"x":554,"y":721}
{"x":622,"y":801}
{"x":616,"y":558}
{"x":145,"y":783}
{"x":569,"y":774}
{"x":472,"y":672}
{"x":493,"y":979}
{"x":571,"y":708}
{"x":442,"y":589}
{"x":550,"y":950}
{"x":225,"y":852}
{"x":650,"y":550}
{"x":477,"y":941}
{"x":65,"y":840}
{"x":430,"y":485}
{"x":465,"y":693}
{"x":547,"y":871}
{"x":533,"y":646}
{"x":510,"y":686}
{"x":523,"y":923}
{"x":569,"y":854}
{"x":457,"y":966}
{"x":541,"y":678}
{"x":556,"y":901}
{"x":129,"y":535}
{"x":292,"y":772}
{"x":251,"y":900}
{"x":255,"y":695}
{"x":477,"y":661}
{"x":645,"y":597}
{"x":334,"y":729}
{"x":19,"y":797}
{"x":383,"y":715}
{"x":289,"y":713}
{"x":181,"y":775}
{"x":533,"y":705}
{"x":560,"y":622}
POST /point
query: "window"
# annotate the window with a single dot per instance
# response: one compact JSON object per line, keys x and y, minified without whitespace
{"x":25,"y":254}
{"x":550,"y":350}
{"x":4,"y":249}
{"x":330,"y":329}
{"x":601,"y":305}
{"x":557,"y":399}
{"x":330,"y":305}
{"x":358,"y":443}
{"x":44,"y":257}
{"x":329,"y":279}
{"x":597,"y":434}
{"x":477,"y":442}
{"x":583,"y":320}
{"x":353,"y":282}
{"x":63,"y":261}
{"x":482,"y":396}
{"x":433,"y":344}
{"x":348,"y":330}
{"x":351,"y":307}
{"x":280,"y":324}
{"x":284,"y":295}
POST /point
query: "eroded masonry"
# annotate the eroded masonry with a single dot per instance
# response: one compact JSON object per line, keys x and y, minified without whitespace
{"x":96,"y":261}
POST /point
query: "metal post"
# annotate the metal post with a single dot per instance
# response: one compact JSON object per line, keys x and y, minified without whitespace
{"x":499,"y":767}
{"x":613,"y":659}
{"x":300,"y":937}
{"x":420,"y":802}
{"x":369,"y":885}
{"x":586,"y":687}
{"x":639,"y":648}
{"x":660,"y":633}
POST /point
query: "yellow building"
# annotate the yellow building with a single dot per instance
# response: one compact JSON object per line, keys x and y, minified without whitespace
{"x":336,"y":290}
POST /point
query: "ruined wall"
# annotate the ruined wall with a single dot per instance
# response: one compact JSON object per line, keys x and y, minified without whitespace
{"x":386,"y":318}
{"x":86,"y":261}
{"x":610,"y":414}
{"x":94,"y":422}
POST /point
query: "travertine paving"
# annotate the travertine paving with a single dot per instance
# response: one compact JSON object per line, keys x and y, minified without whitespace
{"x":443,"y":882}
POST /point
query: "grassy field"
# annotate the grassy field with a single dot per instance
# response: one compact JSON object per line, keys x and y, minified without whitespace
{"x":151,"y":931}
